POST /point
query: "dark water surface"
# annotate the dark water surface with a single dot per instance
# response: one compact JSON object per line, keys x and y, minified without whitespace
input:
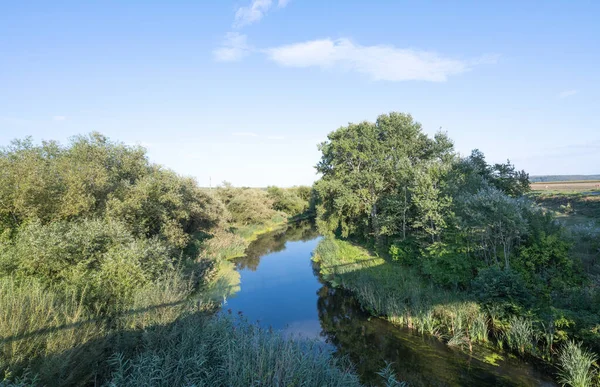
{"x":280,"y":288}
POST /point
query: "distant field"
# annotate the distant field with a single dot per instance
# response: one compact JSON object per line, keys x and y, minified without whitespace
{"x":588,"y":185}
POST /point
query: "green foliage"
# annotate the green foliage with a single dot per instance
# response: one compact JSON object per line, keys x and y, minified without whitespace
{"x":247,"y":205}
{"x":493,"y":221}
{"x":520,"y":335}
{"x":221,"y":352}
{"x":446,"y":265}
{"x":364,"y":163}
{"x":578,"y":366}
{"x":501,"y":287}
{"x":545,"y":264}
{"x":167,"y":205}
{"x":99,"y":259}
{"x":295,"y":201}
{"x":96,"y":178}
{"x":404,"y":251}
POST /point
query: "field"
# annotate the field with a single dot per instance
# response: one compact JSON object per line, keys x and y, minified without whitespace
{"x":576,"y":186}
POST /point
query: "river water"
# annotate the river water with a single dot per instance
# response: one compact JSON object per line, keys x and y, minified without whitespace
{"x":280,"y":288}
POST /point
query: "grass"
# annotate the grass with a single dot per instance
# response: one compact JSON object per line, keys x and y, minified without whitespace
{"x":221,"y":352}
{"x":251,"y":232}
{"x":568,"y":186}
{"x":578,"y":367}
{"x":166,"y":339}
{"x":51,"y":333}
{"x":399,"y":294}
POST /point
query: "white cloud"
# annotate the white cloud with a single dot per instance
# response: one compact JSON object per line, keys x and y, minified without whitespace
{"x":567,"y":93}
{"x":59,"y":118}
{"x":380,"y":62}
{"x":252,"y":13}
{"x":245,"y":134}
{"x":275,"y":137}
{"x":233,"y":48}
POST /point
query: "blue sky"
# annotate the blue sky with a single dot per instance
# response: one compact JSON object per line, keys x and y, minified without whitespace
{"x":244,"y":90}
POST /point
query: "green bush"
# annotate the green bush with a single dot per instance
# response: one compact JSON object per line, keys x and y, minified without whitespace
{"x":504,"y":287}
{"x":447,"y":266}
{"x":288,"y":200}
{"x":545,"y":264}
{"x":250,"y":206}
{"x":99,"y":259}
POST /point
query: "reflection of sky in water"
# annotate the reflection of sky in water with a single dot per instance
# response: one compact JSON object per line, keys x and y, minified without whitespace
{"x":282,"y":293}
{"x":304,"y":329}
{"x":280,"y":290}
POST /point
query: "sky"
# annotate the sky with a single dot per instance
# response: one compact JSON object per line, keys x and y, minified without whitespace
{"x":244,"y":90}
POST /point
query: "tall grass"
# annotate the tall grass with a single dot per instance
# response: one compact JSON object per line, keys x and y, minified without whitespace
{"x":35,"y":322}
{"x":577,"y":366}
{"x":221,"y":352}
{"x":165,"y":338}
{"x":520,"y":335}
{"x":50,"y":333}
{"x":400,"y":295}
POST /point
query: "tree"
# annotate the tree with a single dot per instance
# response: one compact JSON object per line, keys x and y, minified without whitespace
{"x":365,"y":164}
{"x":494,"y":220}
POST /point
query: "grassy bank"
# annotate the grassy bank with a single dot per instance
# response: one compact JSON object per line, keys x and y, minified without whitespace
{"x":166,"y":339}
{"x":400,"y":295}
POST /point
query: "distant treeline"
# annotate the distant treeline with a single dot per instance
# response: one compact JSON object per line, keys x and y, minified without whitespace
{"x":551,"y":178}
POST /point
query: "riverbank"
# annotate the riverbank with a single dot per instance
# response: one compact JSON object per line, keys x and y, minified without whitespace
{"x":400,"y":295}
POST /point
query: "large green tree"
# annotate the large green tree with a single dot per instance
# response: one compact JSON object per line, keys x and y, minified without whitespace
{"x":370,"y":165}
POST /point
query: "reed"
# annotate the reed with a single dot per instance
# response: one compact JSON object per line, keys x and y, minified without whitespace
{"x":577,"y":366}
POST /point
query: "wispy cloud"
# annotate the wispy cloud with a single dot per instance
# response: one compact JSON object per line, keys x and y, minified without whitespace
{"x":234,"y":48}
{"x":275,"y":137}
{"x":59,"y":118}
{"x":235,"y":45}
{"x":567,"y":93}
{"x":254,"y":12}
{"x":244,"y":134}
{"x":380,"y":62}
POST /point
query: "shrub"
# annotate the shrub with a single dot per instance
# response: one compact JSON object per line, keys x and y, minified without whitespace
{"x":447,"y":266}
{"x":98,"y":259}
{"x":251,"y":206}
{"x":286,"y":200}
{"x":504,"y":287}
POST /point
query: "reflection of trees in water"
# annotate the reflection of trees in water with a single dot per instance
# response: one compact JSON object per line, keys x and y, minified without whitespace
{"x":275,"y":242}
{"x":421,"y":361}
{"x":370,"y":342}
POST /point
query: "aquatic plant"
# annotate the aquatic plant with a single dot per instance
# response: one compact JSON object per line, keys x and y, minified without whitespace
{"x":225,"y":352}
{"x":577,"y":366}
{"x":520,"y":335}
{"x":388,"y":375}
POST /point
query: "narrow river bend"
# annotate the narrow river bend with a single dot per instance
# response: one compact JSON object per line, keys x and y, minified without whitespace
{"x":280,"y":288}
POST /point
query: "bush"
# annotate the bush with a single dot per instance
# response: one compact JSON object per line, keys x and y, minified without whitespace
{"x":166,"y":205}
{"x":505,"y":287}
{"x":545,"y":264}
{"x":99,"y":259}
{"x":447,"y":266}
{"x":287,"y":200}
{"x":250,"y":206}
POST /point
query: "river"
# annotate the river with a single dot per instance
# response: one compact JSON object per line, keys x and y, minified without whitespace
{"x":280,"y":288}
